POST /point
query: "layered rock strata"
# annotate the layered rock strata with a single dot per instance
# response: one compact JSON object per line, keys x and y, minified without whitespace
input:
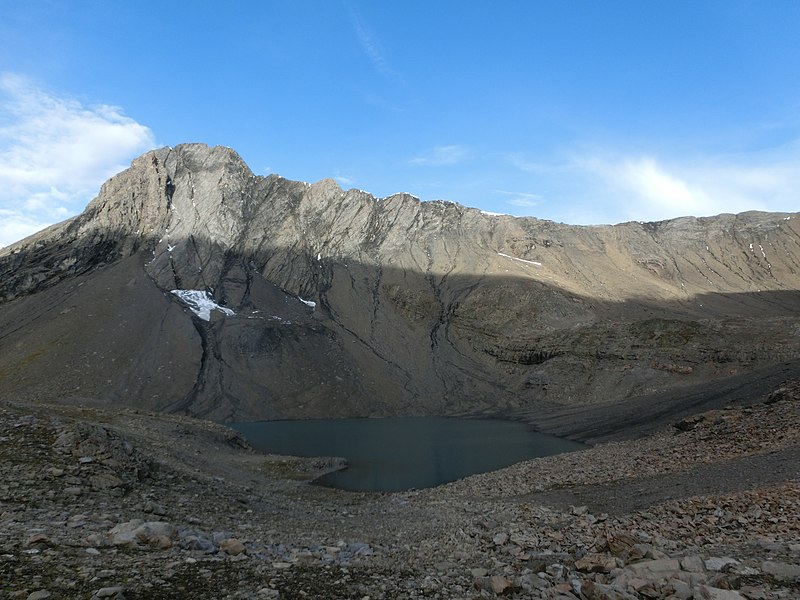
{"x":191,"y":285}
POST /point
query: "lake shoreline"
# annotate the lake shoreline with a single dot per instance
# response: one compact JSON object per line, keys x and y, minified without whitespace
{"x":158,"y":506}
{"x":400,"y":453}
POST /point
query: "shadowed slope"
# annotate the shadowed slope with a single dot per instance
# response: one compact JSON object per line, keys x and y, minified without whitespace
{"x":420,"y":308}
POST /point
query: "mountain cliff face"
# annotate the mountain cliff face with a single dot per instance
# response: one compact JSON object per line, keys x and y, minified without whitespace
{"x":191,"y":285}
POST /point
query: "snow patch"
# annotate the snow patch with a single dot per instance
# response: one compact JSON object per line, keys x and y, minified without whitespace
{"x":310,"y":303}
{"x":201,"y":303}
{"x":492,"y":214}
{"x":530,"y":262}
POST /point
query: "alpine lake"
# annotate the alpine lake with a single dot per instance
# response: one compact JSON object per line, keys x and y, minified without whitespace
{"x":396,"y":454}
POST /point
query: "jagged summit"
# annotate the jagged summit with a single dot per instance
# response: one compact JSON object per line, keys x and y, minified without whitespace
{"x":323,"y":301}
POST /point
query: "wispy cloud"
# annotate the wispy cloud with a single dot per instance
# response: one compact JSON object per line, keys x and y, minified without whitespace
{"x":521,"y":199}
{"x":378,"y":101}
{"x":371,"y":45}
{"x":343,"y":179}
{"x":442,"y":156}
{"x":533,"y":166}
{"x":55,"y":153}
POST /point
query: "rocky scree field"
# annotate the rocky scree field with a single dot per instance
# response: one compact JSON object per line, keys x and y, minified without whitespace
{"x":98,"y":503}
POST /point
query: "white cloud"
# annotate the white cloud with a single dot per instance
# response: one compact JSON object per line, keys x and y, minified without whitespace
{"x":55,"y":153}
{"x":442,"y":156}
{"x":15,"y":226}
{"x":533,"y":166}
{"x":342,"y":180}
{"x":596,"y":184}
{"x":521,"y":199}
{"x":654,"y":191}
{"x":649,"y":190}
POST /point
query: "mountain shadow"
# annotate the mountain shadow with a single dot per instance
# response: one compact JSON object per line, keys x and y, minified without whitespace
{"x":347,"y":305}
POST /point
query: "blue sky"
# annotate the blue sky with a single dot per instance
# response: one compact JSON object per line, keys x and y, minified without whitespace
{"x":576,"y":111}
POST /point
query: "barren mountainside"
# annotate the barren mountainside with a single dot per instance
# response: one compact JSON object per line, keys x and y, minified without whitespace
{"x":191,"y":285}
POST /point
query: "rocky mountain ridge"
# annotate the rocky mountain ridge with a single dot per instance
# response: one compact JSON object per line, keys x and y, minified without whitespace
{"x":347,"y":305}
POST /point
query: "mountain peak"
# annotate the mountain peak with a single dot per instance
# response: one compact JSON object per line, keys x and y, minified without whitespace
{"x":332,"y":302}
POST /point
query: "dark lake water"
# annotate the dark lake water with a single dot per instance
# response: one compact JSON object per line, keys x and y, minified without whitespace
{"x":404,"y":453}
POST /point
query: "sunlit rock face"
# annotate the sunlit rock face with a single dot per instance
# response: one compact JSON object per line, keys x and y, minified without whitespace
{"x":191,"y":285}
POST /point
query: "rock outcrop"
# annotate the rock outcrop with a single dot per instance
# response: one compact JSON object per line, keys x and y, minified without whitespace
{"x":191,"y":285}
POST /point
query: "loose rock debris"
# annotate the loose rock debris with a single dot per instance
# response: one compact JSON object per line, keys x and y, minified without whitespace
{"x":124,"y":504}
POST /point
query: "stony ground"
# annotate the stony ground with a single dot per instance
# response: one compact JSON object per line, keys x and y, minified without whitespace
{"x":100,"y":503}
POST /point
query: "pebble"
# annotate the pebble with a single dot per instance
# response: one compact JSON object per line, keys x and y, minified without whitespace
{"x":597,"y":563}
{"x":693,"y":564}
{"x":712,"y":593}
{"x":473,"y":538}
{"x":780,"y":570}
{"x":115,"y":593}
{"x":232,"y":546}
{"x":500,"y":539}
{"x":496,"y":584}
{"x":479,"y":572}
{"x":719,"y":564}
{"x":37,"y":538}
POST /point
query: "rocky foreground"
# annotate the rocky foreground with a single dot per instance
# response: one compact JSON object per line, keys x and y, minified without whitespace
{"x":102,"y":503}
